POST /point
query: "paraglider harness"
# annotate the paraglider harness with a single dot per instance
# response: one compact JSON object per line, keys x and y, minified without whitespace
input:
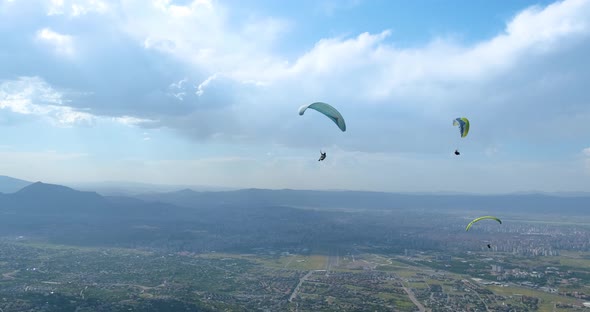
{"x":323,"y":156}
{"x":457,"y":152}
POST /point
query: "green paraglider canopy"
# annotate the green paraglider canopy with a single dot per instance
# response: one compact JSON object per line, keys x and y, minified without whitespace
{"x":463,"y":124}
{"x":328,"y":111}
{"x":479,"y":219}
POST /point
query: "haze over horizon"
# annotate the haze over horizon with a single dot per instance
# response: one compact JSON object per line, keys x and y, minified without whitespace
{"x":206,"y":92}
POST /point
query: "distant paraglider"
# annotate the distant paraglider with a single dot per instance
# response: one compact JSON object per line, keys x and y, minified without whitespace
{"x":463,"y":124}
{"x":479,"y":219}
{"x":322,"y":156}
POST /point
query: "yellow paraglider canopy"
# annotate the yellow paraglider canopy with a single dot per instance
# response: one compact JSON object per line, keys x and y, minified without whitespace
{"x":481,"y":218}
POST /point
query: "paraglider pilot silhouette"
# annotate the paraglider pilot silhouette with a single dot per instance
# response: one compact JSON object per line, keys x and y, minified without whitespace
{"x":322,"y":156}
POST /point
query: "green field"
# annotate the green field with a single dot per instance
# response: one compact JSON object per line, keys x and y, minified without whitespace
{"x":547,"y":300}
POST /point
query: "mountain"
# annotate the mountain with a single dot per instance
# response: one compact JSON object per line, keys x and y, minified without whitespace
{"x":63,"y":215}
{"x":122,"y":188}
{"x":50,"y":199}
{"x":255,"y":218}
{"x":512,"y":203}
{"x":11,"y":185}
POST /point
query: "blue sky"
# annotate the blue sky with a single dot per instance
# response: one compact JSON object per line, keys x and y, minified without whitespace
{"x":206,"y":92}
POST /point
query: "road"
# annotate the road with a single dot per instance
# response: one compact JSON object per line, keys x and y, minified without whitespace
{"x":414,"y":300}
{"x":294,"y":294}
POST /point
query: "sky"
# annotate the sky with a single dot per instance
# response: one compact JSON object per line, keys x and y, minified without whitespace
{"x":206,"y":92}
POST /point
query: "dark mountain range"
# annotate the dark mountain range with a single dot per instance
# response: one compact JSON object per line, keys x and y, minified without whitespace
{"x":66,"y":216}
{"x":41,"y":200}
{"x":122,"y":188}
{"x":514,"y":203}
{"x":50,"y":199}
{"x":247,"y":219}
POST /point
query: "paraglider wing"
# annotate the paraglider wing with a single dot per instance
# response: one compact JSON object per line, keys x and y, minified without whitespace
{"x":463,"y":124}
{"x":479,"y":219}
{"x":327,"y":110}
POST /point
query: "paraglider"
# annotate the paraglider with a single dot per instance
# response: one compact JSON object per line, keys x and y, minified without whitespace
{"x":481,"y":218}
{"x":328,"y":111}
{"x":463,"y":124}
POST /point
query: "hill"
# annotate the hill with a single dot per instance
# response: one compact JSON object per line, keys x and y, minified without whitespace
{"x":11,"y":185}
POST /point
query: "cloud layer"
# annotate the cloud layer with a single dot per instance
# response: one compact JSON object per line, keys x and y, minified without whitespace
{"x":214,"y":76}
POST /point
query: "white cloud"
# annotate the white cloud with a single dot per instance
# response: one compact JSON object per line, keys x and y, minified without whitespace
{"x":379,"y":86}
{"x":177,"y":89}
{"x":241,"y":55}
{"x":181,"y":10}
{"x":586,"y":151}
{"x":377,"y":69}
{"x":62,"y":44}
{"x":76,"y":8}
{"x":202,"y":41}
{"x":34,"y":96}
{"x":201,"y":87}
{"x":132,"y":121}
{"x":201,"y":34}
{"x":237,"y":86}
{"x":56,"y":7}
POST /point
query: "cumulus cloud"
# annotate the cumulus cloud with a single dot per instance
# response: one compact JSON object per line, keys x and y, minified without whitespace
{"x":132,"y":121}
{"x":380,"y":86}
{"x":533,"y":31}
{"x":34,"y":96}
{"x":201,"y":87}
{"x":212,"y":44}
{"x":75,"y":8}
{"x":177,"y":89}
{"x":62,"y":44}
{"x":212,"y":75}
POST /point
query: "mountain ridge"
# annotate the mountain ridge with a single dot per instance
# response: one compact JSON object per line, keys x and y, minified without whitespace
{"x":10,"y":185}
